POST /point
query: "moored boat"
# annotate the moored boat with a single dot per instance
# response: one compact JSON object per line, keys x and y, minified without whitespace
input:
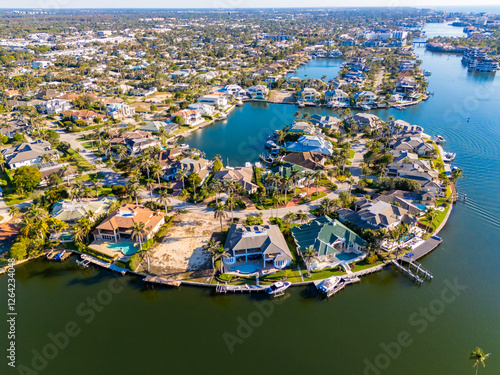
{"x":329,"y":284}
{"x":279,"y":287}
{"x":439,"y":139}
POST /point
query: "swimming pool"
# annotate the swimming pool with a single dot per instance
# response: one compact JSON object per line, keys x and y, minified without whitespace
{"x":127,"y":248}
{"x":247,"y":268}
{"x":346,"y":257}
{"x":422,"y":207}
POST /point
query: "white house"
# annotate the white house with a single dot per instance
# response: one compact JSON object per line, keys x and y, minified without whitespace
{"x":117,"y":110}
{"x":220,"y":100}
{"x":28,"y":154}
{"x":258,"y":92}
{"x":204,"y":109}
{"x":309,"y":94}
{"x":337,"y":98}
{"x":55,"y":106}
{"x":365,"y":97}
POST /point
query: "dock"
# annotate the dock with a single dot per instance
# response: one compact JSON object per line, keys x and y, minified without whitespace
{"x":408,"y":272}
{"x":224,"y":288}
{"x":59,"y":255}
{"x":162,"y":280}
{"x":103,"y":264}
{"x":422,"y":250}
{"x":419,"y":270}
{"x":340,"y":286}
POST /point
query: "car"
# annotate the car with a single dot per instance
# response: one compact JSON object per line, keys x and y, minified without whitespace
{"x":302,"y":195}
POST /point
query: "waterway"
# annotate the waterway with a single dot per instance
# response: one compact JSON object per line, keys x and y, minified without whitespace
{"x":138,"y":330}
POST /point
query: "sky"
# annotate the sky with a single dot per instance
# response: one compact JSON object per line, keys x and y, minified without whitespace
{"x":61,"y":4}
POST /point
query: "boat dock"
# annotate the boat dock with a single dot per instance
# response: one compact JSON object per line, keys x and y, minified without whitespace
{"x":58,"y":255}
{"x":224,"y":288}
{"x":419,"y":269}
{"x":103,"y":264}
{"x":162,"y":280}
{"x":408,"y":272}
{"x":422,"y":250}
{"x":340,"y":286}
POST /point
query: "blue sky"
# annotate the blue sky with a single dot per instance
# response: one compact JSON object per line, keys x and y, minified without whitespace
{"x":59,"y":4}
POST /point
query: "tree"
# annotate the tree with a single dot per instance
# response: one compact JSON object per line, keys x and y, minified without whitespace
{"x":138,"y":232}
{"x":181,"y":176}
{"x":26,"y":178}
{"x":82,"y":229}
{"x":179,"y":120}
{"x":478,"y":356}
{"x":328,"y":205}
{"x":220,"y":213}
{"x":289,"y":217}
{"x":430,"y":216}
{"x":164,"y":197}
{"x":309,"y":256}
{"x":18,"y":251}
{"x":13,"y":210}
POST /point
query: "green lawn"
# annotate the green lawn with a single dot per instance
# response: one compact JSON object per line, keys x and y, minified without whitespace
{"x":10,"y":196}
{"x":77,"y":161}
{"x":351,"y":154}
{"x":323,"y":274}
{"x":313,"y":197}
{"x":439,"y":218}
{"x":88,"y":145}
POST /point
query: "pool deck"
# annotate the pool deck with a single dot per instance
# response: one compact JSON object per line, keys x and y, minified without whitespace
{"x":102,"y":247}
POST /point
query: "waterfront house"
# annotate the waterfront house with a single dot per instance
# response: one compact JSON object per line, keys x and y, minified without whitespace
{"x":365,"y":98}
{"x":327,"y":122}
{"x":311,"y":160}
{"x":213,"y":99}
{"x":28,"y":153}
{"x":303,"y":127}
{"x":155,"y":126}
{"x":337,"y":98}
{"x":309,"y":95}
{"x":332,"y":242}
{"x":258,"y":248}
{"x":233,"y":90}
{"x":399,"y":127}
{"x":412,"y":144}
{"x":240,"y":175}
{"x":190,"y":116}
{"x":258,"y":92}
{"x":310,"y":143}
{"x":117,"y":226}
{"x":70,"y":211}
{"x":204,"y":109}
{"x":379,"y":214}
{"x":138,"y":145}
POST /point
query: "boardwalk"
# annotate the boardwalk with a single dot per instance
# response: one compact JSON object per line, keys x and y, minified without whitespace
{"x":224,"y":288}
{"x":103,"y":264}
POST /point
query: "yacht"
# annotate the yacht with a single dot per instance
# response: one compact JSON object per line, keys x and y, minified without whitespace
{"x":270,"y":144}
{"x":448,"y":157}
{"x":327,"y":285}
{"x":301,"y":104}
{"x":221,"y":117}
{"x":239,"y":103}
{"x":248,"y":165}
{"x":427,"y":73}
{"x":184,"y":146}
{"x":259,"y":165}
{"x":278,"y":287}
{"x":439,"y":139}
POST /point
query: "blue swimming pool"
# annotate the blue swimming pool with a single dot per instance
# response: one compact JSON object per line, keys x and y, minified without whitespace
{"x":346,"y":257}
{"x":127,"y":248}
{"x":422,"y":207}
{"x":247,"y":268}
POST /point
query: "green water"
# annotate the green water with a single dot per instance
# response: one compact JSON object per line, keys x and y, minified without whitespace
{"x":184,"y":331}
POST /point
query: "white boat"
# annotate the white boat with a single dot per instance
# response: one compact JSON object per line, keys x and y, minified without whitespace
{"x":239,"y":103}
{"x":248,"y":165}
{"x":221,"y":117}
{"x":301,"y":104}
{"x":258,"y":165}
{"x":270,"y":144}
{"x":329,"y":284}
{"x":427,"y":73}
{"x":448,"y":157}
{"x":279,"y":287}
{"x":439,"y":139}
{"x":184,"y":146}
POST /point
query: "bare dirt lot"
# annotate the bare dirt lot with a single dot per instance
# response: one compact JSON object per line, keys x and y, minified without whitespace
{"x":281,"y":96}
{"x":180,"y":254}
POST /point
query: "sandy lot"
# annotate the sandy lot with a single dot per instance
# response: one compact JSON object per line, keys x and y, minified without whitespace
{"x":281,"y":96}
{"x":180,"y":254}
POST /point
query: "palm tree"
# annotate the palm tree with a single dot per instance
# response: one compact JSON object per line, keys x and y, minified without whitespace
{"x":138,"y":232}
{"x":302,"y":217}
{"x":289,"y":217}
{"x":181,"y":176}
{"x":430,"y":216}
{"x":82,"y":229}
{"x":13,"y":210}
{"x":220,"y":213}
{"x":2,"y":162}
{"x":216,"y":187}
{"x":309,"y":256}
{"x":231,"y":203}
{"x":150,"y":185}
{"x":133,"y":189}
{"x":164,"y":196}
{"x":96,"y":182}
{"x":327,"y":206}
{"x":478,"y":356}
{"x":317,"y":178}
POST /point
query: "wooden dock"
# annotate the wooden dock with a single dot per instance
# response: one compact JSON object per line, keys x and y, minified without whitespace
{"x":224,"y":288}
{"x":408,"y":272}
{"x":58,"y":255}
{"x":419,"y":270}
{"x":103,"y":264}
{"x":162,"y":280}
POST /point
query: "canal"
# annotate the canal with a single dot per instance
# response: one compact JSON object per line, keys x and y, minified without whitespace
{"x":86,"y":321}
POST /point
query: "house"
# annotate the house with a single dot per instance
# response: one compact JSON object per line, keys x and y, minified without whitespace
{"x":119,"y":110}
{"x":47,"y":94}
{"x":379,"y":214}
{"x":414,"y":169}
{"x":55,"y":106}
{"x":233,"y":90}
{"x":155,"y":126}
{"x":213,"y":99}
{"x":118,"y":225}
{"x":409,"y":200}
{"x":365,"y":119}
{"x":183,"y":73}
{"x":12,"y":127}
{"x":365,"y":98}
{"x":332,"y":242}
{"x":337,"y":98}
{"x":204,"y":109}
{"x":327,"y":122}
{"x":190,"y":116}
{"x":309,"y":94}
{"x":263,"y":247}
{"x":258,"y":92}
{"x":407,"y":86}
{"x":308,"y":160}
{"x":242,"y":176}
{"x":413,"y":144}
{"x":121,"y":138}
{"x":399,"y":127}
{"x":83,"y":115}
{"x":310,"y":143}
{"x":41,"y":64}
{"x":52,"y":167}
{"x":138,"y":145}
{"x":28,"y":154}
{"x":303,"y":127}
{"x":71,"y":211}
